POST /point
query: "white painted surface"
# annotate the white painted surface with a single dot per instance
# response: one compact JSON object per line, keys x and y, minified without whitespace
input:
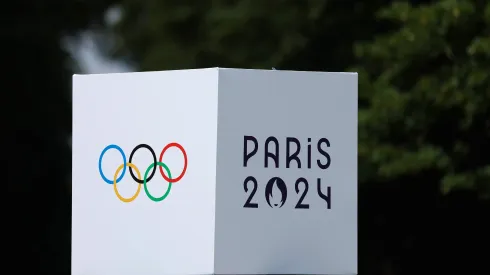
{"x":287,"y":240}
{"x":174,"y":236}
{"x":202,"y":227}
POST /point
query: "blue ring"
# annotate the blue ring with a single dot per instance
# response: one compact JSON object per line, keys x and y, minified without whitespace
{"x":112,"y":146}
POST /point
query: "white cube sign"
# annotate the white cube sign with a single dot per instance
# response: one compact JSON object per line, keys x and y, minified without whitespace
{"x":214,"y":171}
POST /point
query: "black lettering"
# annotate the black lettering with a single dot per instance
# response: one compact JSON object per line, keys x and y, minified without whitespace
{"x":267,"y":155}
{"x":324,"y":153}
{"x":309,"y":153}
{"x":247,"y":156}
{"x":294,"y":156}
{"x":300,"y":204}
{"x":249,"y":203}
{"x":281,"y":185}
{"x":327,"y":198}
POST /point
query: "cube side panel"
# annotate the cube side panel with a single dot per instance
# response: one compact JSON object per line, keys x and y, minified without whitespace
{"x":169,"y":117}
{"x":264,"y":225}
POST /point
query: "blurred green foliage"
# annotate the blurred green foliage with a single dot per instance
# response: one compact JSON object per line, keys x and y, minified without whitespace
{"x":287,"y":34}
{"x":427,"y":88}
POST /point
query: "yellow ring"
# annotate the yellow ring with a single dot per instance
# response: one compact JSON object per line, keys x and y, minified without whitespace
{"x":139,"y":185}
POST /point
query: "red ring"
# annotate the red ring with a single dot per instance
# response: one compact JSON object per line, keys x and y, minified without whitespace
{"x":173,"y":144}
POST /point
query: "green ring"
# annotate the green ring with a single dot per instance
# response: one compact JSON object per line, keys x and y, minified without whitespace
{"x":169,"y":184}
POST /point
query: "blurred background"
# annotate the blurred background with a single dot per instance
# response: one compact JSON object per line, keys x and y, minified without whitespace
{"x":424,"y":106}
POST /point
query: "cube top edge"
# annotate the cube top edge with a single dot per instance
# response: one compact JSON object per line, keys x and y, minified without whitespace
{"x":213,"y":68}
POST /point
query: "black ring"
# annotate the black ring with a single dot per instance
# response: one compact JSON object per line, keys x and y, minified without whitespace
{"x":154,"y":163}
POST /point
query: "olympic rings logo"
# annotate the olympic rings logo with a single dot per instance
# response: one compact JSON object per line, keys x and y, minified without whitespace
{"x":147,"y":176}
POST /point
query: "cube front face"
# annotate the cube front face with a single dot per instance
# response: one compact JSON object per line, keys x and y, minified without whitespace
{"x":294,"y":210}
{"x":156,"y":123}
